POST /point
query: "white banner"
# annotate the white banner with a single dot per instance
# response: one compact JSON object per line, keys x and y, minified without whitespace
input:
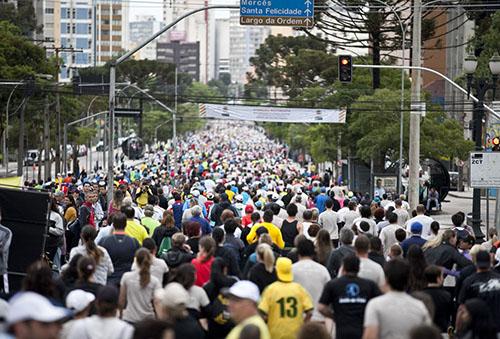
{"x":273,"y":114}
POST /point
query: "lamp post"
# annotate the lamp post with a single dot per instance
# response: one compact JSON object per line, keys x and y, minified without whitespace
{"x":481,"y":86}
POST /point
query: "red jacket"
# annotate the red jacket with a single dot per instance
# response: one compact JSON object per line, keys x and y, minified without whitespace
{"x":203,"y":270}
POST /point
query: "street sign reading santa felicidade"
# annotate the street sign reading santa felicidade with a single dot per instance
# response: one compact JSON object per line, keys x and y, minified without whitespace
{"x":294,"y":13}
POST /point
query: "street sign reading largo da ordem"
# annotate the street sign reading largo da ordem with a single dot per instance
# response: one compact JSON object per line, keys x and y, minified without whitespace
{"x":294,"y":13}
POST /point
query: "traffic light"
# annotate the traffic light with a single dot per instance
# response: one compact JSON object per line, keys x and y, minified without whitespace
{"x":345,"y":68}
{"x":496,"y":144}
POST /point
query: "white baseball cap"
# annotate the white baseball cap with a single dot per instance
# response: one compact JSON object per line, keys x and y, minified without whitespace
{"x":244,"y":289}
{"x":78,"y":300}
{"x":174,"y":294}
{"x":33,"y":306}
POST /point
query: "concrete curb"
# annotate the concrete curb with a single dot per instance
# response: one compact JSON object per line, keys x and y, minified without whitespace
{"x":451,"y":194}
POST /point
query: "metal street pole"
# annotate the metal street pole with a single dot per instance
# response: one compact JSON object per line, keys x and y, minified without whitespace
{"x":157,"y":127}
{"x":414,"y":153}
{"x":401,"y":123}
{"x":74,"y":122}
{"x":112,"y":80}
{"x":174,"y":124}
{"x":441,"y":75}
{"x":6,"y":132}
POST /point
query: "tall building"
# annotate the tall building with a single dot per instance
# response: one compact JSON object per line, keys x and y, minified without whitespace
{"x":199,"y":27}
{"x":112,"y":29}
{"x":86,"y":32}
{"x":243,"y":42}
{"x":141,"y":29}
{"x":185,"y":55}
{"x":222,"y":47}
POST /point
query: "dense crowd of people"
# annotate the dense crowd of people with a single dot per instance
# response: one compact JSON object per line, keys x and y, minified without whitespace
{"x":235,"y":240}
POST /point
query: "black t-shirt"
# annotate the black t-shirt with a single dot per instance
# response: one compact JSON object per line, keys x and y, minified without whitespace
{"x":289,"y":232}
{"x":377,"y":257}
{"x":121,"y":249}
{"x":188,"y":328}
{"x":261,"y":277}
{"x":486,"y":286}
{"x":443,"y":304}
{"x":348,"y":297}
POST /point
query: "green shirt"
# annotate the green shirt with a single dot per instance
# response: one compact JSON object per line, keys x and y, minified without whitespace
{"x":150,"y":223}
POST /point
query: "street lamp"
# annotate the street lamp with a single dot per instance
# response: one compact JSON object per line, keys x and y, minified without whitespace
{"x":481,"y":87}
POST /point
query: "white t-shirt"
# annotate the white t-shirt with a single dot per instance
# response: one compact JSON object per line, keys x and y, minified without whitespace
{"x":158,"y":268}
{"x":395,"y":314}
{"x":369,"y":269}
{"x":139,"y":300}
{"x":328,"y":220}
{"x":198,"y":298}
{"x":313,"y":277}
{"x":388,"y":237}
{"x":349,"y":218}
{"x":103,"y":269}
{"x":96,"y":327}
{"x":403,"y":216}
{"x":426,"y":225}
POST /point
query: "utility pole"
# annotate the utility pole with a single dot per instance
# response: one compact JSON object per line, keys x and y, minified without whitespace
{"x":20,"y":151}
{"x":174,"y":122}
{"x":414,"y":154}
{"x":46,"y":140}
{"x":57,"y":50}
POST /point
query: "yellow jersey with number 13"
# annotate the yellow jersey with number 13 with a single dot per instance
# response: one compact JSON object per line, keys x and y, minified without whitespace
{"x":285,"y":305}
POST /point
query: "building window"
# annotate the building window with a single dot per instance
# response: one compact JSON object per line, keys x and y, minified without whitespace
{"x":82,"y":13}
{"x":82,"y":28}
{"x":64,"y":28}
{"x":49,"y":10}
{"x":82,"y":58}
{"x":64,"y":42}
{"x":64,"y":13}
{"x":82,"y":43}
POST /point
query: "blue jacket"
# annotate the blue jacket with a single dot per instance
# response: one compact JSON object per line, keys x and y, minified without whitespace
{"x":413,"y":240}
{"x":177,"y":212}
{"x":205,"y":226}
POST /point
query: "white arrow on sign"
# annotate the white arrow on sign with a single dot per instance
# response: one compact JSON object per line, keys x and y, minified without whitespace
{"x":308,"y":22}
{"x":308,"y":12}
{"x":308,"y":2}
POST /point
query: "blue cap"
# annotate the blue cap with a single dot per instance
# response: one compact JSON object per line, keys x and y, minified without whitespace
{"x":416,"y":228}
{"x":323,"y":190}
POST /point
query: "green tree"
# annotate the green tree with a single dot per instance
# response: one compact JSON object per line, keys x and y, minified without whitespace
{"x":22,"y":16}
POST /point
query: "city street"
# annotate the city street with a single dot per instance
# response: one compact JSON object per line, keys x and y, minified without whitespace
{"x":294,"y":166}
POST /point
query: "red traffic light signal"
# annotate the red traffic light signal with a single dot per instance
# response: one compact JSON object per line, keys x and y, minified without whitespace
{"x":345,"y":68}
{"x":496,"y":144}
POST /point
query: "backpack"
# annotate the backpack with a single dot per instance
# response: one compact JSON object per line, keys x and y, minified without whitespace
{"x":165,"y":245}
{"x":173,"y":258}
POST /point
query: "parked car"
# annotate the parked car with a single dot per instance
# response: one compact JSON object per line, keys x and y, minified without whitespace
{"x":31,"y":157}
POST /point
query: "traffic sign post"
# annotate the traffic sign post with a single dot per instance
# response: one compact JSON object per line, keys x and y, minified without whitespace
{"x":127,"y":112}
{"x":484,"y":171}
{"x":294,"y":13}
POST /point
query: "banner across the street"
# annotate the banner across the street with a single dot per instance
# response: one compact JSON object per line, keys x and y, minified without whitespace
{"x":273,"y":114}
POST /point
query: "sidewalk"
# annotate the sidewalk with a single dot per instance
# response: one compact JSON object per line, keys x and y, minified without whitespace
{"x":12,"y":170}
{"x":466,"y":194}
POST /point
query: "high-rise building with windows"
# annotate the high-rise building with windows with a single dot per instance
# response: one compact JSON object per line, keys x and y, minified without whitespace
{"x":140,"y":30}
{"x":90,"y":32}
{"x":185,"y":55}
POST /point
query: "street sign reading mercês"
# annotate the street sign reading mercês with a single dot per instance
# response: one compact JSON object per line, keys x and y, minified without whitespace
{"x":294,"y":13}
{"x":485,"y":169}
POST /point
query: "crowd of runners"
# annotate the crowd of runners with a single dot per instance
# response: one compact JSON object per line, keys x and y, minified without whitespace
{"x":235,"y":240}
